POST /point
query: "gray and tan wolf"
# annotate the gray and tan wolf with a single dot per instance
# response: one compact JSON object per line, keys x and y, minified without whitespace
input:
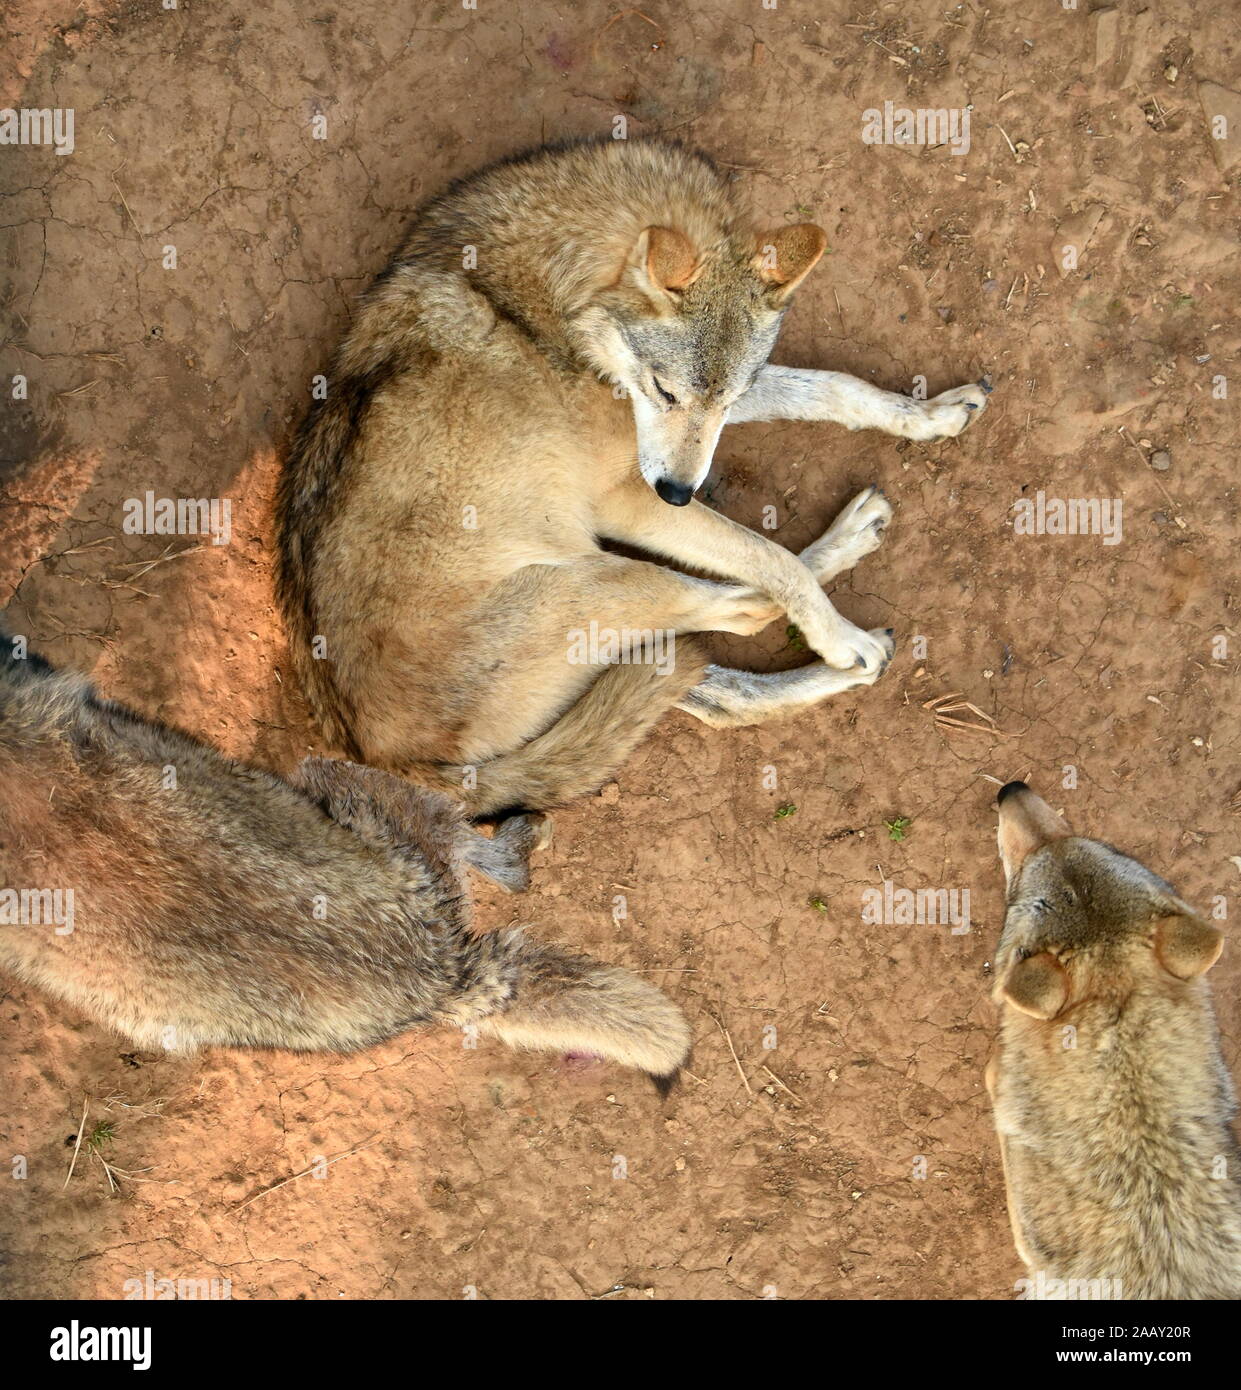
{"x":187,"y":900}
{"x":548,"y":363}
{"x":1112,"y":1102}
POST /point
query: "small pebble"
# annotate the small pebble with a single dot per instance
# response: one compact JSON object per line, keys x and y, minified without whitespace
{"x":1161,"y":461}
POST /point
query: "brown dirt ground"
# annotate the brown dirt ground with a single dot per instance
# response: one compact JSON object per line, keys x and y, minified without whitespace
{"x":494,"y":1170}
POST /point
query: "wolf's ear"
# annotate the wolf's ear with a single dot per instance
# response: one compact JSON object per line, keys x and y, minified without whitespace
{"x":786,"y":255}
{"x":664,"y":260}
{"x":1187,"y":946}
{"x":1038,"y":986}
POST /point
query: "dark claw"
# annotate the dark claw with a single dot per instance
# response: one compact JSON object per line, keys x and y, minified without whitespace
{"x":970,"y":405}
{"x":986,"y":386}
{"x":861,"y":661}
{"x":889,"y":631}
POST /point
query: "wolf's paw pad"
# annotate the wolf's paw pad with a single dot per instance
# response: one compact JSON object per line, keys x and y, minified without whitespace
{"x":869,"y":512}
{"x":868,"y":654}
{"x":946,"y":415}
{"x":885,"y":640}
{"x":857,"y":530}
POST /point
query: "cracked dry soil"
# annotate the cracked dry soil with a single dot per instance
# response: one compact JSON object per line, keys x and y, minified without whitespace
{"x":790,"y":1169}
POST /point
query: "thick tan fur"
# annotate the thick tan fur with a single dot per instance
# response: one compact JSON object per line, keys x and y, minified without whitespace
{"x":1112,"y":1102}
{"x":218,"y":905}
{"x":441,"y":513}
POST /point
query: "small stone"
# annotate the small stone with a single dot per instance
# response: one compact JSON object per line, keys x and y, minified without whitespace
{"x":1161,"y":461}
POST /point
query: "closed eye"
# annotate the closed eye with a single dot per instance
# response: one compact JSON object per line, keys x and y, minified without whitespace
{"x":669,"y":398}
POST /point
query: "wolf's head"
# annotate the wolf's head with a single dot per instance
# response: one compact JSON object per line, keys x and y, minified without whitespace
{"x":1083,"y":920}
{"x":685,"y":330}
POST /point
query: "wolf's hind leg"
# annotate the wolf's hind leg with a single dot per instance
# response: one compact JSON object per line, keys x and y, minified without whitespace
{"x":857,"y":530}
{"x":421,"y":826}
{"x":728,"y":698}
{"x":505,"y":857}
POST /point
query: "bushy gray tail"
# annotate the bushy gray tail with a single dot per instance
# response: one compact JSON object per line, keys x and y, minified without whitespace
{"x":561,"y":1002}
{"x":303,"y":507}
{"x":522,"y":991}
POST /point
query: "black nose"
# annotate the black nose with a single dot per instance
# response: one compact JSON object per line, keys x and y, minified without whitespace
{"x":1009,"y":789}
{"x":675,"y":493}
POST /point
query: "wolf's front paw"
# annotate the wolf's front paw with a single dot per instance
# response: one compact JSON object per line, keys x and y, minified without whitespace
{"x":946,"y":415}
{"x":886,"y":642}
{"x":850,"y":648}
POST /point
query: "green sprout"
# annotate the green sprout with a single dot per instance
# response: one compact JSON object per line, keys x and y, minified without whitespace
{"x":785,"y":812}
{"x":896,"y":827}
{"x":103,"y":1133}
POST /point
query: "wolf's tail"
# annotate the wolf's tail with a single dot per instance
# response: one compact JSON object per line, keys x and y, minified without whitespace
{"x":581,"y":750}
{"x":304,"y":501}
{"x":554,"y":1001}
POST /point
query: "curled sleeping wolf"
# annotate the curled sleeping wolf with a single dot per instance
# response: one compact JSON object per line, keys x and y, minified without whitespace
{"x":441,"y":513}
{"x":213,"y":904}
{"x":1112,"y":1102}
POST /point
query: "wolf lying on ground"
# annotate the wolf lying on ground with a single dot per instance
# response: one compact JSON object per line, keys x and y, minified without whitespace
{"x":441,"y":513}
{"x":1112,"y":1102}
{"x":213,"y":904}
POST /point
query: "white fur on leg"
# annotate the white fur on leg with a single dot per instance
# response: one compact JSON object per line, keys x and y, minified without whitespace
{"x":728,"y":698}
{"x":857,"y":530}
{"x":800,"y":393}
